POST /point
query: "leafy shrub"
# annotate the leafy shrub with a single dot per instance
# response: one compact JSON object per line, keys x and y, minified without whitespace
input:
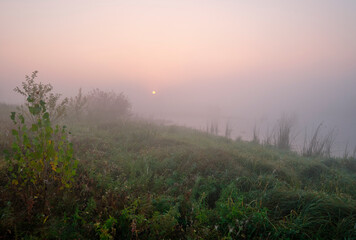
{"x":76,"y":105}
{"x":41,"y":158}
{"x":107,"y":230}
{"x":240,"y":219}
{"x":163,"y":226}
{"x":34,"y":93}
{"x":106,"y":106}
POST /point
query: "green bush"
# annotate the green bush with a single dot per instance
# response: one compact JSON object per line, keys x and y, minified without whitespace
{"x":40,"y":162}
{"x":34,"y":93}
{"x":241,"y":219}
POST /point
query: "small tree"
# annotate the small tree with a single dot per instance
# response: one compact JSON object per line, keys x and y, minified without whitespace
{"x":34,"y":93}
{"x":41,"y":158}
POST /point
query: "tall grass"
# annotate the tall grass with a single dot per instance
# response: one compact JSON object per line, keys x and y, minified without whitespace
{"x":213,"y":127}
{"x":228,"y":130}
{"x":283,"y":138}
{"x":256,"y":138}
{"x":318,"y":146}
{"x":136,"y":179}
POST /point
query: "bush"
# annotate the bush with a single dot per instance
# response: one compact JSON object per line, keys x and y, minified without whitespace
{"x":41,"y":159}
{"x":77,"y":106}
{"x":34,"y":93}
{"x":106,"y":106}
{"x":240,"y":219}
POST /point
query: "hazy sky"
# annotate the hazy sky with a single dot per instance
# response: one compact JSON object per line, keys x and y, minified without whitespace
{"x":244,"y":57}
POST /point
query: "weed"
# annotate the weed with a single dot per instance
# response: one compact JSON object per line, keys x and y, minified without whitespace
{"x":284,"y":131}
{"x":318,"y":146}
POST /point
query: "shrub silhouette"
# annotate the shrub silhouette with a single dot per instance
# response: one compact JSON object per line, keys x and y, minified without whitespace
{"x":106,"y":106}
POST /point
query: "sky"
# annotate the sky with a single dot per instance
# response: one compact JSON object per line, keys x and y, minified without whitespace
{"x":243,"y":60}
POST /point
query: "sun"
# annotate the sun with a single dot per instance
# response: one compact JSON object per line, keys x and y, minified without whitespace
{"x":153,"y":92}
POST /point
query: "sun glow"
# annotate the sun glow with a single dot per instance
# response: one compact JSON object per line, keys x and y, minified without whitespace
{"x":153,"y":92}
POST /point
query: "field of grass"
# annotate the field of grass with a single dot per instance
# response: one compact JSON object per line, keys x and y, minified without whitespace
{"x":140,"y":180}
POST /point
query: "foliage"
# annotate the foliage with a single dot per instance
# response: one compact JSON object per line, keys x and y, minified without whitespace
{"x":106,"y":230}
{"x":40,"y":162}
{"x":239,"y":218}
{"x":5,"y":125}
{"x":77,"y":105}
{"x":139,"y":180}
{"x":41,"y":156}
{"x":106,"y":106}
{"x":35,"y":93}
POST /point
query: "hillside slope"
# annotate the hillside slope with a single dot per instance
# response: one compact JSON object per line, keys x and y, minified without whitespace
{"x":139,"y":180}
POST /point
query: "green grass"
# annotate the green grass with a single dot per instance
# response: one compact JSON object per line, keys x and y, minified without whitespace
{"x":139,"y":180}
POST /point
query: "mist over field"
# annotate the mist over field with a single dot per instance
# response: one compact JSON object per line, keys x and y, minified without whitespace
{"x":199,"y":119}
{"x":243,"y":102}
{"x":243,"y":63}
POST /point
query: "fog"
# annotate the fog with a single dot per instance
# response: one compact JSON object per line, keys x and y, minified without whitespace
{"x":244,"y":64}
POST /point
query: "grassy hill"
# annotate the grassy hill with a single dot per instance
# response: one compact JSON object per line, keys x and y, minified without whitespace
{"x":140,"y":180}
